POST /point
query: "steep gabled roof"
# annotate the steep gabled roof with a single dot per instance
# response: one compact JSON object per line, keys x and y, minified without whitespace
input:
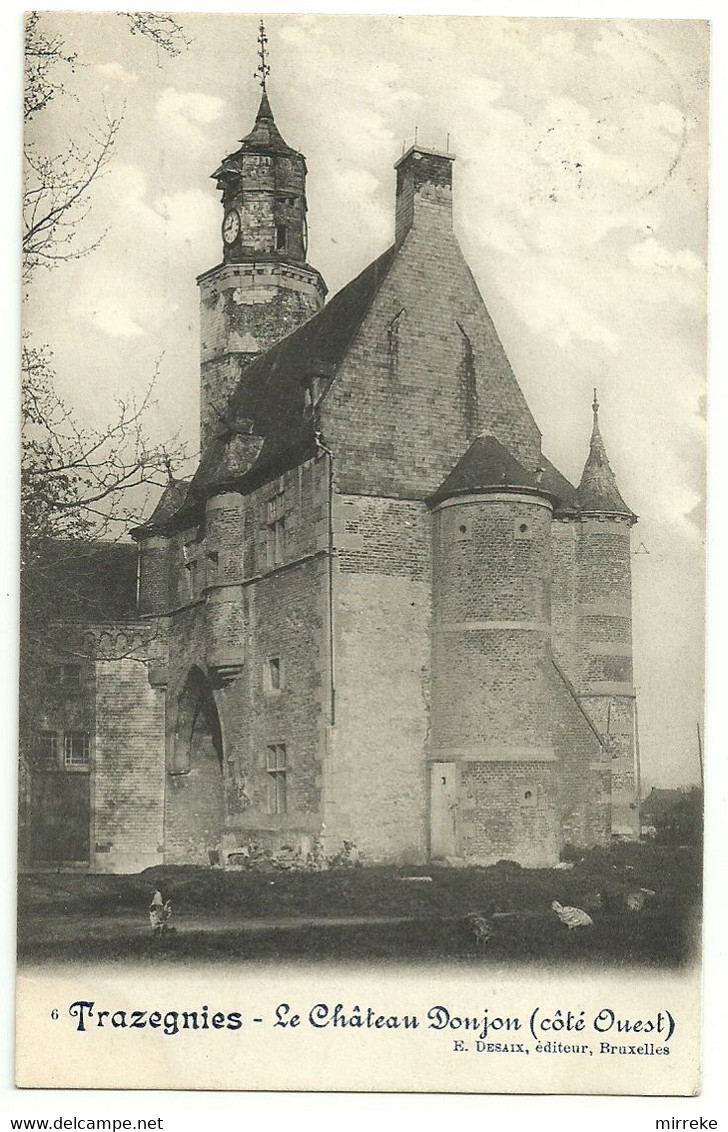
{"x":598,"y":491}
{"x":270,"y":393}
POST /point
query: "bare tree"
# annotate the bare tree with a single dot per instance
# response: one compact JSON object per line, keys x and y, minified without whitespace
{"x":56,"y":198}
{"x":161,"y":28}
{"x":79,"y":481}
{"x":81,"y":485}
{"x":57,"y":186}
{"x":43,"y":55}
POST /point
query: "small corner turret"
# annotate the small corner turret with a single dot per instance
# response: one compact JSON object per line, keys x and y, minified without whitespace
{"x":598,"y":493}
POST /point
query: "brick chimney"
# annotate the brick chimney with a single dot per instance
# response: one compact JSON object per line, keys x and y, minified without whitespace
{"x":424,"y":190}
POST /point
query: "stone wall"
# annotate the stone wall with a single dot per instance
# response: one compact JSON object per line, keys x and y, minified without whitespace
{"x":252,"y":612}
{"x":376,"y":786}
{"x":605,"y":679}
{"x":128,"y":773}
{"x":425,"y":374}
{"x":244,"y":309}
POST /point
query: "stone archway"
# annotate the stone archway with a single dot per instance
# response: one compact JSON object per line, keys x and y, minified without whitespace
{"x":194,"y":798}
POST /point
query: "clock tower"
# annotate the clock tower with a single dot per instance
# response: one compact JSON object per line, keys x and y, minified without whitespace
{"x":263,"y":288}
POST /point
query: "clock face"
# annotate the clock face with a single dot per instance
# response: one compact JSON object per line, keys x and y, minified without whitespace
{"x":231,"y":226}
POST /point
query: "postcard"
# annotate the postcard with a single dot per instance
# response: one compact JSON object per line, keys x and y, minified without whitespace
{"x":362,"y":611}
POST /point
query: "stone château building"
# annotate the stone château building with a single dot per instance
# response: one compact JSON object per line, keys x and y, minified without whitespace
{"x":377,"y":612}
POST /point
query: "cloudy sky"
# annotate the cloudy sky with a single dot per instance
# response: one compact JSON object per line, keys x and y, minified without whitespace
{"x":580,"y":204}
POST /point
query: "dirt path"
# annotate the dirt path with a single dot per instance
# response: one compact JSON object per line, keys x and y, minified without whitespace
{"x":66,"y":926}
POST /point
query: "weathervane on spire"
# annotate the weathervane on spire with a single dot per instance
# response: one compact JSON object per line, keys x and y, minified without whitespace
{"x":595,"y":404}
{"x":262,"y":70}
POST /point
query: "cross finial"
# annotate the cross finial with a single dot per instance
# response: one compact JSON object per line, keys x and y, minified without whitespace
{"x":595,"y":404}
{"x":262,"y":70}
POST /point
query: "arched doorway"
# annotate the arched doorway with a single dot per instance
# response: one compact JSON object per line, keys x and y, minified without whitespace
{"x":194,"y":802}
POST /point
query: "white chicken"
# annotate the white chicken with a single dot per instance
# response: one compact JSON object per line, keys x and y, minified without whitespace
{"x":572,"y":917}
{"x":635,"y":901}
{"x":160,"y":913}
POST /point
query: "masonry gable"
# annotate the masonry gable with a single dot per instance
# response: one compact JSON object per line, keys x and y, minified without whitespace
{"x":424,"y":375}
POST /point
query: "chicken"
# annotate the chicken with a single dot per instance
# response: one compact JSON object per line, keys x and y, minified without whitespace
{"x":572,"y":917}
{"x":160,"y":913}
{"x":635,"y":901}
{"x":480,"y":926}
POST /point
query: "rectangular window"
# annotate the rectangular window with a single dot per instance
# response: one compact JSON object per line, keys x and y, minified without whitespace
{"x":280,"y":237}
{"x":276,"y":532}
{"x":276,"y":774}
{"x":64,"y":676}
{"x":46,"y":750}
{"x":273,"y":675}
{"x":76,"y":750}
{"x":213,"y":568}
{"x":191,"y":579}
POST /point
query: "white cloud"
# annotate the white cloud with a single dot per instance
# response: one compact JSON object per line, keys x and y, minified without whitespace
{"x":649,"y":255}
{"x":183,"y":216}
{"x":187,"y":215}
{"x":552,"y":307}
{"x":186,"y":111}
{"x":110,"y":317}
{"x":116,"y":71}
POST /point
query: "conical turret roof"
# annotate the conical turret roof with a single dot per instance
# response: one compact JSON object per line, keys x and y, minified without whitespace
{"x":487,"y":465}
{"x":598,"y":491}
{"x":265,"y":137}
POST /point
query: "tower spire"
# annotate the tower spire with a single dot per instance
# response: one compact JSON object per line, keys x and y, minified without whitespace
{"x":263,"y":69}
{"x":598,"y":492}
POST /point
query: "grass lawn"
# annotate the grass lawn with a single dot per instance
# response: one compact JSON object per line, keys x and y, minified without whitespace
{"x":372,"y":913}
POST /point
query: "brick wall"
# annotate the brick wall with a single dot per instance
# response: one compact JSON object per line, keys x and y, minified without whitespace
{"x":376,"y":772}
{"x":605,"y":677}
{"x":564,"y":591}
{"x":529,"y":763}
{"x":509,"y":811}
{"x":155,"y":566}
{"x":376,"y":783}
{"x":425,"y":374}
{"x":254,"y":611}
{"x":491,"y":609}
{"x":128,"y":781}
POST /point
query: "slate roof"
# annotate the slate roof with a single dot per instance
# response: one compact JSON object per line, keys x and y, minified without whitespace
{"x":171,"y":500}
{"x":557,"y":484}
{"x":270,"y":393}
{"x":598,"y":491}
{"x":265,"y":138}
{"x":265,"y":135}
{"x":488,"y":465}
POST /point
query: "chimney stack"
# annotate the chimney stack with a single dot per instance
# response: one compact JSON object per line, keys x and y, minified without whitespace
{"x":424,"y":190}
